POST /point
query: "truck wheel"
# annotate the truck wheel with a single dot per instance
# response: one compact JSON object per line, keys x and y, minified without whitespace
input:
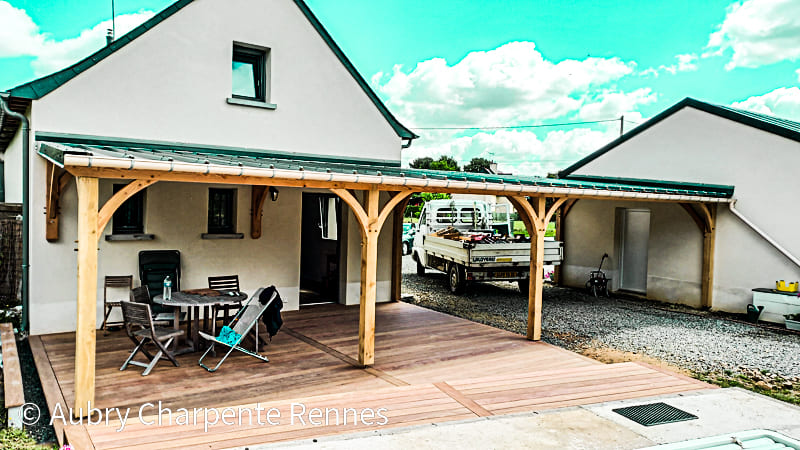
{"x":406,"y":248}
{"x":457,"y":279}
{"x":524,"y":286}
{"x":420,"y":267}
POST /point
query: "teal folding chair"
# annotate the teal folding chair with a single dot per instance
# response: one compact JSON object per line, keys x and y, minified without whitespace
{"x":242,"y":323}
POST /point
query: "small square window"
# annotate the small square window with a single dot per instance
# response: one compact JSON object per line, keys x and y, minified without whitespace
{"x":129,"y":217}
{"x":249,"y":73}
{"x":221,"y":211}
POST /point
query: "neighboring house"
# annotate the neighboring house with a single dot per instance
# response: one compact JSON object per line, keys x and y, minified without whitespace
{"x":231,"y":76}
{"x":657,"y":249}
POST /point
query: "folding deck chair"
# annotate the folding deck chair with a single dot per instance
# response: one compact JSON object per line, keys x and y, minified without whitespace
{"x":242,"y":324}
{"x":140,"y":329}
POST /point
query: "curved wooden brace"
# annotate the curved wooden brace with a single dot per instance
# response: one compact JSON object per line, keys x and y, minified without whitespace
{"x":553,"y":210}
{"x":526,"y":207}
{"x":388,"y":208}
{"x":703,"y":219}
{"x":567,"y":207}
{"x":355,"y":206}
{"x":258,"y":196}
{"x":108,"y":209}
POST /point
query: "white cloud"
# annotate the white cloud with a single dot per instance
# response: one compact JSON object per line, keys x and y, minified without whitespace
{"x":20,"y":36}
{"x":520,"y":152}
{"x":782,"y":102}
{"x":686,"y":63}
{"x":759,"y":32}
{"x":511,"y":84}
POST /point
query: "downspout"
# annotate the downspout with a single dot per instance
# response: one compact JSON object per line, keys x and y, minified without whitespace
{"x":761,"y":233}
{"x":25,"y":205}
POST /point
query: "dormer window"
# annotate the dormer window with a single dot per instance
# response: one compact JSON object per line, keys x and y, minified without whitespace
{"x":250,"y":77}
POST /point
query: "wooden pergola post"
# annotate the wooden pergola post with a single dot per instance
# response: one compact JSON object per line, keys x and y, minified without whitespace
{"x":536,"y":216}
{"x":371,"y":218}
{"x":706,"y":221}
{"x":85,"y":342}
{"x":397,"y":249}
{"x":369,"y":280}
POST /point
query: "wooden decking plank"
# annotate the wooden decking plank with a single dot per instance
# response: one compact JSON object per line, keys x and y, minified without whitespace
{"x":50,"y":387}
{"x":461,"y":398}
{"x":430,"y":368}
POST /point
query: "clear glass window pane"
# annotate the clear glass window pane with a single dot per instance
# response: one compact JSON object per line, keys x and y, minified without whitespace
{"x":244,"y":79}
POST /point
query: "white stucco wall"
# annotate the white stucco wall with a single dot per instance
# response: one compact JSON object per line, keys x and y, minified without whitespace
{"x":12,"y":158}
{"x":171,"y":84}
{"x":674,"y":257}
{"x":177,"y":214}
{"x":694,"y":146}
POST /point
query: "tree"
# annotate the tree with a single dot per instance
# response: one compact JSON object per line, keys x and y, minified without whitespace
{"x":478,"y":165}
{"x":422,"y":163}
{"x":445,"y":163}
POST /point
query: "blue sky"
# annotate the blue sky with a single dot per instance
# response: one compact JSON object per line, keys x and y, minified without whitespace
{"x":473,"y":63}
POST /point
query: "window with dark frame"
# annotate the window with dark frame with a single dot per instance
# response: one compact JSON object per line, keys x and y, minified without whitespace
{"x":249,"y":73}
{"x":129,"y":217}
{"x":221,"y":211}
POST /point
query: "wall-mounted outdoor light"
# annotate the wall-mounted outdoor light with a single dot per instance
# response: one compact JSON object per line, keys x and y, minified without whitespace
{"x":273,"y":193}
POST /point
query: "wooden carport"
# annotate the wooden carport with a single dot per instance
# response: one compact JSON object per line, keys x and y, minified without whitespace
{"x":536,"y":200}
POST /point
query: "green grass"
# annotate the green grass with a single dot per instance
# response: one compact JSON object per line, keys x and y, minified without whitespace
{"x":519,"y":228}
{"x":13,"y":439}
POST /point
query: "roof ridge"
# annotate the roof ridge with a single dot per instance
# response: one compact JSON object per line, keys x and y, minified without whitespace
{"x":775,"y":125}
{"x":42,"y":86}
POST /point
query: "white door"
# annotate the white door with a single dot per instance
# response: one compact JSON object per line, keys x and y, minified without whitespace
{"x":633,"y":261}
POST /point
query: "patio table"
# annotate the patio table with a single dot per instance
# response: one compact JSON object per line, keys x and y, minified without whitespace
{"x":195,"y":301}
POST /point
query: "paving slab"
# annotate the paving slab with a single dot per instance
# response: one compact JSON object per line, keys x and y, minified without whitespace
{"x":719,"y":411}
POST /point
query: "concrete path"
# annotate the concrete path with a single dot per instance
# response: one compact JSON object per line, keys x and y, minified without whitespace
{"x":719,"y":411}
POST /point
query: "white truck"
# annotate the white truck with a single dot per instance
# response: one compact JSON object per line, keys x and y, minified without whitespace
{"x":479,"y":247}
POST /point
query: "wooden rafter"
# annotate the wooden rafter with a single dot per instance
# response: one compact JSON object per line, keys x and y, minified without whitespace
{"x":116,"y":200}
{"x":257,"y":198}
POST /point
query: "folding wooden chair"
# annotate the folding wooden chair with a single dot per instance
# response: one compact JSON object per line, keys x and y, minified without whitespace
{"x":113,"y":281}
{"x":140,"y":329}
{"x":242,"y":324}
{"x":224,"y":283}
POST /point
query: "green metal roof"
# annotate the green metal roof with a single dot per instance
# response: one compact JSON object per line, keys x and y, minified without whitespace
{"x":38,"y":88}
{"x":782,"y":127}
{"x":56,"y":151}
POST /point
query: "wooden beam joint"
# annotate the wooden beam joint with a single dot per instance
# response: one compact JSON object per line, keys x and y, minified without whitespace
{"x":257,"y":198}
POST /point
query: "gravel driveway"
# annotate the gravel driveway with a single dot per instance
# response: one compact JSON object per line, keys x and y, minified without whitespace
{"x":704,"y":343}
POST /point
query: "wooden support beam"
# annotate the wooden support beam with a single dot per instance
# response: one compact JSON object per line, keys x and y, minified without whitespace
{"x":258,"y":196}
{"x":56,"y":182}
{"x":116,"y":200}
{"x":371,"y":218}
{"x":705,"y":217}
{"x":369,"y":275}
{"x":397,"y":249}
{"x":87,"y":295}
{"x":709,"y":242}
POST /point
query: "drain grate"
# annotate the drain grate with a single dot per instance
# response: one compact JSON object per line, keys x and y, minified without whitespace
{"x":654,"y":414}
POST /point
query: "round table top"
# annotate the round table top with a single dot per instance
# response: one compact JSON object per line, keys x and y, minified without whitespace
{"x":186,"y":299}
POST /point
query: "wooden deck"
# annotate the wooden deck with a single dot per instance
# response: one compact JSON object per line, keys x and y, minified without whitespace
{"x":430,"y":367}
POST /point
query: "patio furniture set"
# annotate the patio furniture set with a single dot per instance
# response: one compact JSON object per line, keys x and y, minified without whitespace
{"x":156,"y":321}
